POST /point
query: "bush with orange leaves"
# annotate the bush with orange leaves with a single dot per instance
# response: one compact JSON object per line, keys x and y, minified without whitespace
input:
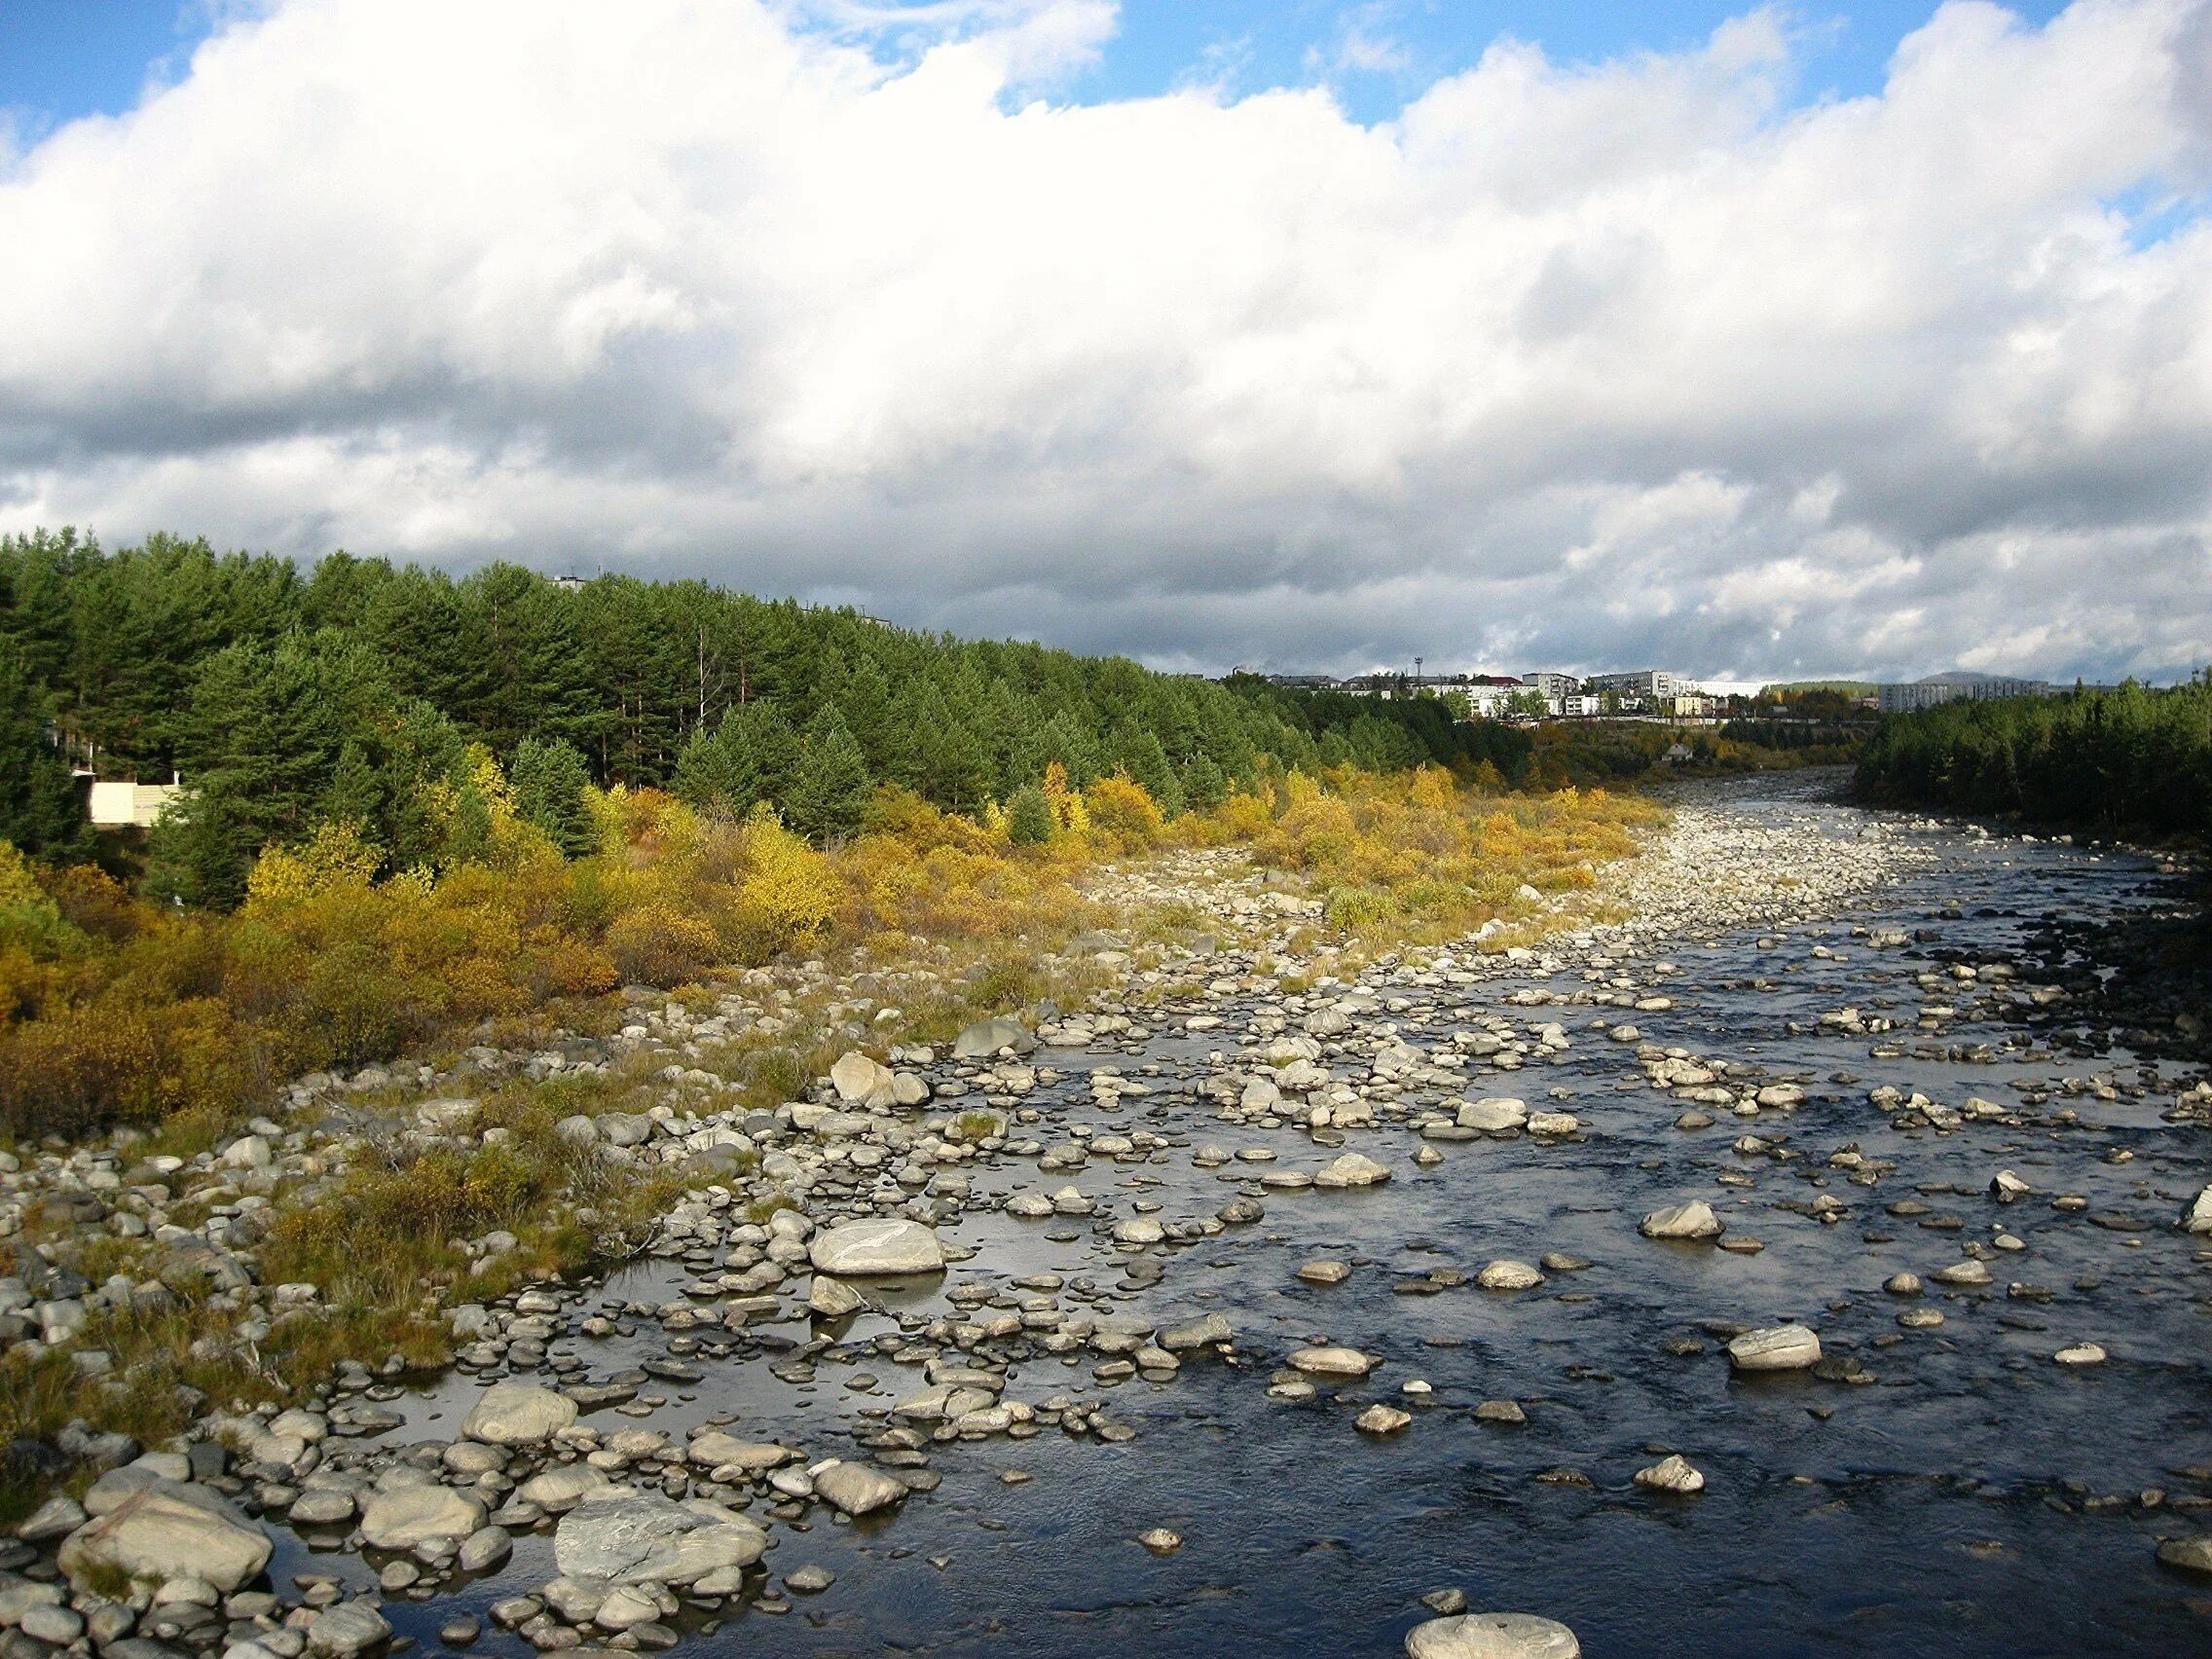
{"x":114,"y":1011}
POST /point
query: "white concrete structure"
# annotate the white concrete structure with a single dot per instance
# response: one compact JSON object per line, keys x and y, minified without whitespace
{"x":115,"y":804}
{"x":1653,"y":683}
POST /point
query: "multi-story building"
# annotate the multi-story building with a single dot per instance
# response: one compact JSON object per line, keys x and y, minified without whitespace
{"x":1552,"y":684}
{"x":1938,"y":688}
{"x":1652,"y":684}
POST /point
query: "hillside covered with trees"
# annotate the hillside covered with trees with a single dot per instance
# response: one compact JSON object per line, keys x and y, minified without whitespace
{"x":2134,"y":758}
{"x":355,"y":691}
{"x":418,"y":806}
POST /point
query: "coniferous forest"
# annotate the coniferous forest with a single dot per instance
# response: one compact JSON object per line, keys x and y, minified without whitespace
{"x":2134,"y":758}
{"x":413,"y":803}
{"x":354,"y":691}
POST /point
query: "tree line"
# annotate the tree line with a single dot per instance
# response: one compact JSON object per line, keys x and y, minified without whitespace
{"x":368,"y":692}
{"x":2134,"y":758}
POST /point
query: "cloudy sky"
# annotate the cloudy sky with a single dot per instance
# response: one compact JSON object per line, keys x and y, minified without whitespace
{"x":1749,"y":343}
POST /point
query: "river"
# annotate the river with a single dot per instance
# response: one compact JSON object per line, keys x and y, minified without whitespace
{"x":1963,"y":1494}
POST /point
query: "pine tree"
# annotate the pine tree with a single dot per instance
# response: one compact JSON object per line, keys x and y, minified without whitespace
{"x":552,"y":790}
{"x":42,"y":808}
{"x":829,"y":795}
{"x":1029,"y":817}
{"x":751,"y":757}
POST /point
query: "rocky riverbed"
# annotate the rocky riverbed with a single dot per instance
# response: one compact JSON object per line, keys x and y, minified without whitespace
{"x":1789,"y":1269}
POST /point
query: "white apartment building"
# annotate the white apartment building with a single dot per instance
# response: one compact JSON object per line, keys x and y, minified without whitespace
{"x":1954,"y":688}
{"x":1653,"y":683}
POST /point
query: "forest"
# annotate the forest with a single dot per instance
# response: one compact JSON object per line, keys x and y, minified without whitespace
{"x":2136,"y":758}
{"x":356,"y":691}
{"x":417,"y":806}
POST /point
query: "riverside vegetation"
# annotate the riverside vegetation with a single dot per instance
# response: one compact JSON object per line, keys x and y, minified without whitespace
{"x":2135,"y":759}
{"x":391,"y":850}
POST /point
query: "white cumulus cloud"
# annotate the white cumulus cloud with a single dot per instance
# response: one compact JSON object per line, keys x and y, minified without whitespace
{"x":1617,"y":364}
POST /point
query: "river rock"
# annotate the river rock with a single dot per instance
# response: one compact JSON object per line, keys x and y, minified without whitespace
{"x":349,"y":1629}
{"x":2191,"y":1554}
{"x":1353,"y":1169}
{"x":833,"y":1297}
{"x":518,"y":1414}
{"x":415,"y":1515}
{"x":855,"y":1487}
{"x":1509,"y":1276}
{"x":2199,"y":1216}
{"x":167,"y":1531}
{"x":859,"y":1078}
{"x":1670,"y":1474}
{"x":716,"y":1450}
{"x":1493,"y":1116}
{"x":626,"y":1537}
{"x":1331,"y":1362}
{"x":1778,"y":1348}
{"x":1492,"y":1635}
{"x":880,"y":1245}
{"x":987,"y":1037}
{"x":1693,"y":1220}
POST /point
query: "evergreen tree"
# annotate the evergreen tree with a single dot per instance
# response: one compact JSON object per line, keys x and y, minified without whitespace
{"x":552,"y":790}
{"x":1139,"y":754}
{"x":751,"y":757}
{"x":42,"y":806}
{"x":829,"y":795}
{"x":1029,"y":817}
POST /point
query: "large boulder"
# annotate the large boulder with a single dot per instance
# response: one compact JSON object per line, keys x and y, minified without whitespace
{"x":1693,"y":1220}
{"x":1353,"y":1169}
{"x":2191,"y":1554}
{"x":1493,"y":1115}
{"x":348,"y":1629}
{"x":625,"y":1536}
{"x":1492,"y":1635}
{"x":987,"y":1037}
{"x":1779,"y":1347}
{"x":169,"y":1530}
{"x":518,"y":1414}
{"x":716,"y":1450}
{"x":408,"y":1516}
{"x":2199,"y":1216}
{"x":879,"y":1245}
{"x":857,"y":1078}
{"x":855,"y":1487}
{"x":1331,"y":1362}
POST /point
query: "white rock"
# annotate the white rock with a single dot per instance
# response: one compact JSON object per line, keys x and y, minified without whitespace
{"x":1492,"y":1635}
{"x":1693,"y":1220}
{"x":638,"y":1537}
{"x":400,"y":1520}
{"x":881,"y":1246}
{"x":167,"y":1530}
{"x":1778,"y":1348}
{"x":855,"y":1487}
{"x":518,"y":1414}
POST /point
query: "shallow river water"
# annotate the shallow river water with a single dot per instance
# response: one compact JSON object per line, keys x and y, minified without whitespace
{"x":1956,"y":1504}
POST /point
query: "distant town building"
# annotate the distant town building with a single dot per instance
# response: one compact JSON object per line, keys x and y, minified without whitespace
{"x":1653,"y":685}
{"x":1939,"y":689}
{"x":1552,"y":684}
{"x":119,"y":804}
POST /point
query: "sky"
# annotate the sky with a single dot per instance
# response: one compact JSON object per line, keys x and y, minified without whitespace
{"x":1751,"y":342}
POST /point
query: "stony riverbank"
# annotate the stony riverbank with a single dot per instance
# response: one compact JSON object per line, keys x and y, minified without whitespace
{"x":1005,"y":1242}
